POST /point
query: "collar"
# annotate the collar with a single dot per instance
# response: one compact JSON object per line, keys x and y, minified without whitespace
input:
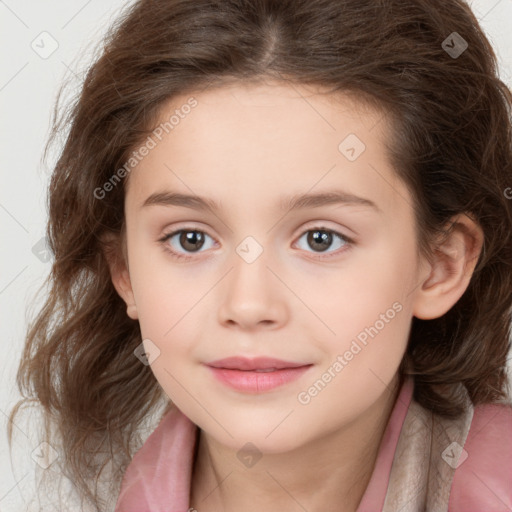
{"x":159,"y":476}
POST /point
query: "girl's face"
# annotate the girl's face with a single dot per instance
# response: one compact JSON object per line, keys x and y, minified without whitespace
{"x":265,"y":271}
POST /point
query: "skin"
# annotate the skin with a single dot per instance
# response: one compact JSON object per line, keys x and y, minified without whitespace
{"x":247,"y":146}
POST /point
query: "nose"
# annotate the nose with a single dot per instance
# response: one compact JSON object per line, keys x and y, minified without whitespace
{"x":251,"y":296}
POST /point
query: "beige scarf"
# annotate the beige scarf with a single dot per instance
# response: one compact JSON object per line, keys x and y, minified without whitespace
{"x":425,"y":459}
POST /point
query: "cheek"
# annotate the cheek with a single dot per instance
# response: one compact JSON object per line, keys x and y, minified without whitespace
{"x":369,"y":315}
{"x":369,"y":285}
{"x":165,"y":294}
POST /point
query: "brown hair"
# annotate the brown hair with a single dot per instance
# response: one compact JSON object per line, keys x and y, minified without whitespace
{"x":451,"y":144}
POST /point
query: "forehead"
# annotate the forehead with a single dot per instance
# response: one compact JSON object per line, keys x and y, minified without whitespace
{"x":273,"y":99}
{"x":254,"y":140}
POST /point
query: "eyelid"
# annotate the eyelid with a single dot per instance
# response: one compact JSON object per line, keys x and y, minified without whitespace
{"x":321,"y":224}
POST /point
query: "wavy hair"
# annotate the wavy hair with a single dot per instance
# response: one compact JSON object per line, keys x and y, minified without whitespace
{"x":451,"y":144}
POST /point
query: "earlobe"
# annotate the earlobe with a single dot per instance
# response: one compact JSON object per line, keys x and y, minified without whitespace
{"x":454,"y":261}
{"x":120,"y":274}
{"x":122,"y":283}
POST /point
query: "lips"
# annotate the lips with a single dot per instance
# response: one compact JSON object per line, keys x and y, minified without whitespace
{"x":258,"y":364}
{"x":257,"y":375}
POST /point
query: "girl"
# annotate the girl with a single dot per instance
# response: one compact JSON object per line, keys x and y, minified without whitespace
{"x":338,"y":338}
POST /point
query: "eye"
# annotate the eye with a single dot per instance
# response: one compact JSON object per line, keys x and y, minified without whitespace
{"x":191,"y":240}
{"x":320,"y":239}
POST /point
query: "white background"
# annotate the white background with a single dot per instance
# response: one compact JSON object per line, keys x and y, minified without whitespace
{"x":28,"y":86}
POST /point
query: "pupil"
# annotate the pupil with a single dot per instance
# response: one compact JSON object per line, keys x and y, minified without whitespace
{"x":323,"y":238}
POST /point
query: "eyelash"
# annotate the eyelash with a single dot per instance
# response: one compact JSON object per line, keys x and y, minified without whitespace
{"x":349,"y":242}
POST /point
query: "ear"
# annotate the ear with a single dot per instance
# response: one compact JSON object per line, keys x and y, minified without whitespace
{"x":451,"y":270}
{"x":116,"y":256}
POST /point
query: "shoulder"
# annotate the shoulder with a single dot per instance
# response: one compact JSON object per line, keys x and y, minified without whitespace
{"x":483,"y":476}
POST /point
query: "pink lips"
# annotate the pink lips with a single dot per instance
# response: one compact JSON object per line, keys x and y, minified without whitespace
{"x":256,"y":375}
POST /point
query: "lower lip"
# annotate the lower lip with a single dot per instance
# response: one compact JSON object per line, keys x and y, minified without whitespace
{"x":257,"y":382}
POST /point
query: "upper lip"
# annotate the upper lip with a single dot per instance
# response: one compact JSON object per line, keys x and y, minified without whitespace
{"x":256,"y":363}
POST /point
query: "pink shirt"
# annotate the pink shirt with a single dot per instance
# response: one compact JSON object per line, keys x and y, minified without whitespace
{"x":159,"y":477}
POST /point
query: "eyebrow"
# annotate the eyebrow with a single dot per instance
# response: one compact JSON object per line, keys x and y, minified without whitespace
{"x":294,"y":202}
